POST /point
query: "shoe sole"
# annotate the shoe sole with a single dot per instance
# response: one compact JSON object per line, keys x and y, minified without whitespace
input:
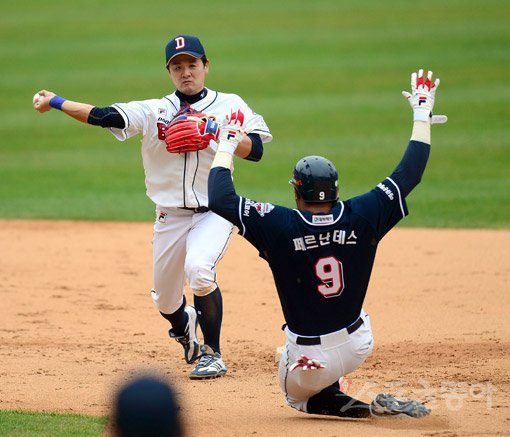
{"x":394,"y":406}
{"x":216,"y":375}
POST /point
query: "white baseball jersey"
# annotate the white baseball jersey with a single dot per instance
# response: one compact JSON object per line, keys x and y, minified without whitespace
{"x":179,"y":179}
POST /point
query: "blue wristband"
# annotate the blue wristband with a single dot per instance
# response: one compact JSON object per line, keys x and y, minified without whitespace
{"x":56,"y":102}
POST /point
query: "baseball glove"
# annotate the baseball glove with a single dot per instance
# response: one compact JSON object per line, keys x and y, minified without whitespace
{"x":190,"y":131}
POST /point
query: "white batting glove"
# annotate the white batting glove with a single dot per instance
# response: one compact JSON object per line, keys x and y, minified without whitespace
{"x":305,"y":363}
{"x":231,"y":132}
{"x":422,"y":97}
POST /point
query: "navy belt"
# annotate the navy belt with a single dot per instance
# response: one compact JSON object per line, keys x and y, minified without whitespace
{"x":199,"y":209}
{"x":312,"y":341}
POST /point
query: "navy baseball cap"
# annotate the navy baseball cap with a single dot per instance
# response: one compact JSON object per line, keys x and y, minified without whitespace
{"x":184,"y":44}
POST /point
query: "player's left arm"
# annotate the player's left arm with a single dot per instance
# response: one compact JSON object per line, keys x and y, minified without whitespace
{"x":385,"y":205}
{"x":407,"y":175}
{"x":250,"y":147}
{"x":256,"y":131}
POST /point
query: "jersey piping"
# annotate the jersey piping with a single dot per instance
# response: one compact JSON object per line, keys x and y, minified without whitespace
{"x":321,"y":224}
{"x":184,"y":180}
{"x":176,"y":109}
{"x":213,"y":100}
{"x":194,"y":177}
{"x":243,"y":231}
{"x":399,"y":197}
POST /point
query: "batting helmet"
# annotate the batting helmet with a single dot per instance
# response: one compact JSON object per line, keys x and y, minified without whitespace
{"x":315,"y":179}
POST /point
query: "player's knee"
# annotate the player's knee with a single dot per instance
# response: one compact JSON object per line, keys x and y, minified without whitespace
{"x":299,"y":405}
{"x":165,"y":303}
{"x":296,"y":395}
{"x":201,"y":279}
{"x":204,"y":291}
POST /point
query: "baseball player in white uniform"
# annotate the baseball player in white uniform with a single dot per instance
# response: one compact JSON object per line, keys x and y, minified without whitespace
{"x":189,"y":240}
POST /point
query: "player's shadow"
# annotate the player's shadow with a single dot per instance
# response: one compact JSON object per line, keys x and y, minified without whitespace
{"x":400,"y":423}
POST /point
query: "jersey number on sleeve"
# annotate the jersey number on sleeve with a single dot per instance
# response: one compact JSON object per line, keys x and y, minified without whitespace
{"x":331,"y":273}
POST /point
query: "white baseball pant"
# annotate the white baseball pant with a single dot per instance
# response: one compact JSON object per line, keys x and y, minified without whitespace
{"x":340,"y":352}
{"x":186,"y":249}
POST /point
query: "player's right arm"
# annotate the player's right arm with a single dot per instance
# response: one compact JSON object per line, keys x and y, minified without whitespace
{"x":222,"y":196}
{"x":84,"y":112}
{"x":223,"y":199}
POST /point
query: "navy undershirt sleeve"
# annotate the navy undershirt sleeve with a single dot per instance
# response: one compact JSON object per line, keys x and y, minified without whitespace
{"x":409,"y":171}
{"x":257,"y":149}
{"x":106,"y":117}
{"x":223,"y":199}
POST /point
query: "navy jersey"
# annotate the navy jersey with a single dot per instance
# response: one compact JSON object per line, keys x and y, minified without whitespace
{"x":321,"y":263}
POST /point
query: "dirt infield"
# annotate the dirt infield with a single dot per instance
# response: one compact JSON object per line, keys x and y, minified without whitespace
{"x":77,"y":320}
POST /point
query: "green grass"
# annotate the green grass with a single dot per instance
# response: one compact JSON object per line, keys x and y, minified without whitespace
{"x":25,"y":424}
{"x":326,"y":75}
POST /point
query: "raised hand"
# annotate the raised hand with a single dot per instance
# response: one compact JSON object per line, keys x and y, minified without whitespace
{"x":422,"y":97}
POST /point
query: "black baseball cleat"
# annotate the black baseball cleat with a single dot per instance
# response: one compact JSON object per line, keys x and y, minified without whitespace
{"x":387,"y":405}
{"x":189,"y":340}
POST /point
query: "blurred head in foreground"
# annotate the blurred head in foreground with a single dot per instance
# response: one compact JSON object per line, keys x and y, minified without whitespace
{"x":146,"y":406}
